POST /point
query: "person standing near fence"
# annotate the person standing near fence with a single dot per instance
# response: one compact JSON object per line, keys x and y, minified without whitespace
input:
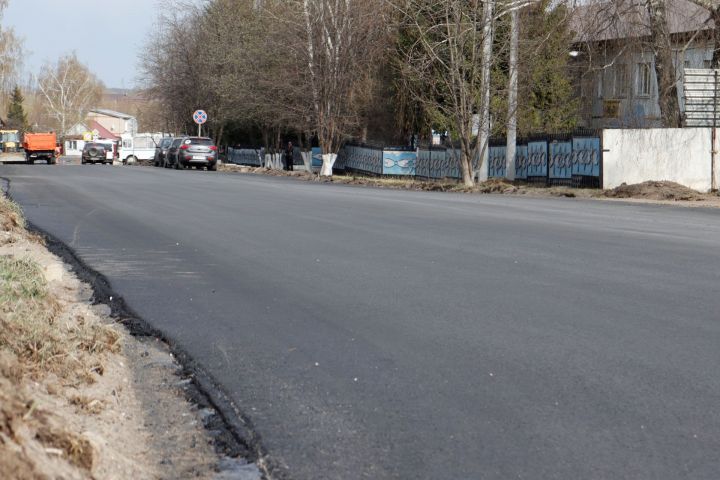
{"x":289,"y":152}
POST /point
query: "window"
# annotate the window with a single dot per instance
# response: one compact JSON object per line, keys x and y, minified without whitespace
{"x":621,"y":81}
{"x":599,"y":89}
{"x":644,"y":79}
{"x":686,"y":64}
{"x":707,"y":63}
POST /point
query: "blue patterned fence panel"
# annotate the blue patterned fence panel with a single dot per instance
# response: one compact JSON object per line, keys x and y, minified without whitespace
{"x":496,"y":161}
{"x":560,"y":161}
{"x":537,"y":159}
{"x":244,"y":156}
{"x":361,"y":159}
{"x":452,"y":165}
{"x":521,"y":162}
{"x":398,"y":162}
{"x":317,"y":160}
{"x":432,"y":163}
{"x":586,"y":156}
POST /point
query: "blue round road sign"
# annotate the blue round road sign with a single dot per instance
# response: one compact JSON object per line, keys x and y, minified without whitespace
{"x":200,"y":117}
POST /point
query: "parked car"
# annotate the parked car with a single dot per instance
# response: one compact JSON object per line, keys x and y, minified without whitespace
{"x":94,"y":153}
{"x":198,"y":152}
{"x":171,"y":155}
{"x":161,"y":151}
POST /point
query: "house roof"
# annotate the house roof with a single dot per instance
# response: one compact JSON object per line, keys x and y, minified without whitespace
{"x":112,"y":113}
{"x":622,"y":19}
{"x":102,"y":131}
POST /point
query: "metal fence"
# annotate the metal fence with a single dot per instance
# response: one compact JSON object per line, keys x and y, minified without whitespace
{"x":244,"y":156}
{"x":571,"y":160}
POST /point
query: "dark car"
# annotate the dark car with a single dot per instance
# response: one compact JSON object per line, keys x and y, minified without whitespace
{"x":198,"y":152}
{"x":171,"y":155}
{"x":94,"y":153}
{"x":161,"y":151}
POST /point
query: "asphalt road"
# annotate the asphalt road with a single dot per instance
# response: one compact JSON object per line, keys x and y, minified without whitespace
{"x":386,"y":334}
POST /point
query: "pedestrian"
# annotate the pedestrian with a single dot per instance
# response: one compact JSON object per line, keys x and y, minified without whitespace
{"x":289,"y":153}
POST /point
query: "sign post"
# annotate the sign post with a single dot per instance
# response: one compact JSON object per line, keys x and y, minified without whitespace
{"x":200,"y":117}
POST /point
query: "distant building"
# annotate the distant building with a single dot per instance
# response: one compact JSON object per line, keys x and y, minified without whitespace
{"x":115,"y":122}
{"x":88,"y":131}
{"x":615,"y":66}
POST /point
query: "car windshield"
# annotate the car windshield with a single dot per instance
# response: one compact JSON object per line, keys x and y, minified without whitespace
{"x":94,"y":145}
{"x":201,"y":141}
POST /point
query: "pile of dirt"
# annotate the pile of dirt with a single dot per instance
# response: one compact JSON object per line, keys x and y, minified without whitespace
{"x":497,"y":185}
{"x":656,"y":190}
{"x":231,"y":167}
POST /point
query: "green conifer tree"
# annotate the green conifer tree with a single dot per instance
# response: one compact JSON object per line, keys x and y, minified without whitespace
{"x":16,"y":116}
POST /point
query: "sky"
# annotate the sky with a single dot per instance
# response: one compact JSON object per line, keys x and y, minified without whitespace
{"x":106,"y":34}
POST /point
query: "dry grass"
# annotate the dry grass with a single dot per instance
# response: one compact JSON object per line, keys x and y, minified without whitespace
{"x":33,"y":328}
{"x":11,"y":218}
{"x":40,"y":338}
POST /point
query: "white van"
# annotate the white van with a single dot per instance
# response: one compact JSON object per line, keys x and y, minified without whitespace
{"x":139,"y":147}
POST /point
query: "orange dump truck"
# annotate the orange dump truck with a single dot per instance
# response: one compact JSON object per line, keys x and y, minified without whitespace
{"x":39,"y":146}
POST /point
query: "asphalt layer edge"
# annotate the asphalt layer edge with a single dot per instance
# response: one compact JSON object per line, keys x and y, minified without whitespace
{"x":236,"y":436}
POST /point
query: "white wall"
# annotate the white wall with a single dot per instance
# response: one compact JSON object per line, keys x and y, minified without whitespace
{"x":680,"y":155}
{"x":74,"y":152}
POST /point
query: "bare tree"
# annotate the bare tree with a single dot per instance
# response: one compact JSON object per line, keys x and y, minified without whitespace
{"x":442,"y":66}
{"x":341,"y":41}
{"x":69,"y":89}
{"x":665,"y":71}
{"x":11,"y":54}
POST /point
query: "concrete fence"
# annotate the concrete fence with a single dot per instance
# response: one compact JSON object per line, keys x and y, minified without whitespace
{"x":681,"y":155}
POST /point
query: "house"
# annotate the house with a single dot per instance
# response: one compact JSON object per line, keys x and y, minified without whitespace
{"x":115,"y":122}
{"x":88,"y":131}
{"x":614,"y":63}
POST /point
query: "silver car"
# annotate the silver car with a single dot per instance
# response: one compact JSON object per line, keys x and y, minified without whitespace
{"x":198,"y":152}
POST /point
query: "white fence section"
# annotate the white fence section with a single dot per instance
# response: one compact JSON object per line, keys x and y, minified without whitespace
{"x":681,"y":155}
{"x":701,"y":97}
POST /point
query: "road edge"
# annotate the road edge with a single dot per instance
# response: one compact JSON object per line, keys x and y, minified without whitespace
{"x":238,"y":436}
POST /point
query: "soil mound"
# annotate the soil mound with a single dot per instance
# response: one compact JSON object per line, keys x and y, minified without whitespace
{"x":654,"y":190}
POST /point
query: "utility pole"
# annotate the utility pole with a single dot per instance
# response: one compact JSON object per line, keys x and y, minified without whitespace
{"x":512,"y":96}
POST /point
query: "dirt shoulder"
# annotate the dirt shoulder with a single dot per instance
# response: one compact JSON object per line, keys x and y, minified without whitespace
{"x":657,"y":192}
{"x":79,"y":397}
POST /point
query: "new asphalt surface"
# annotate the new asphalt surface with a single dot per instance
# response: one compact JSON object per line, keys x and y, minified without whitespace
{"x":387,"y":334}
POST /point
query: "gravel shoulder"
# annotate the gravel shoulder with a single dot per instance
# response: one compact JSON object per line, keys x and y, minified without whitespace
{"x":654,"y":192}
{"x":80,"y":397}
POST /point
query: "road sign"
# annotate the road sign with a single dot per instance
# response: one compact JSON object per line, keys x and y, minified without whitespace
{"x":200,"y":117}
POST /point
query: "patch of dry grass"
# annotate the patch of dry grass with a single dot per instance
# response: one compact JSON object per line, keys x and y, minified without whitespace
{"x":40,"y":338}
{"x":32,"y":327}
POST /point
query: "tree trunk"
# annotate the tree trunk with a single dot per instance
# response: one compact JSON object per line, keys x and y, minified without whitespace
{"x":512,"y":96}
{"x":486,"y":65}
{"x":715,"y":13}
{"x":664,"y":66}
{"x":328,"y":162}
